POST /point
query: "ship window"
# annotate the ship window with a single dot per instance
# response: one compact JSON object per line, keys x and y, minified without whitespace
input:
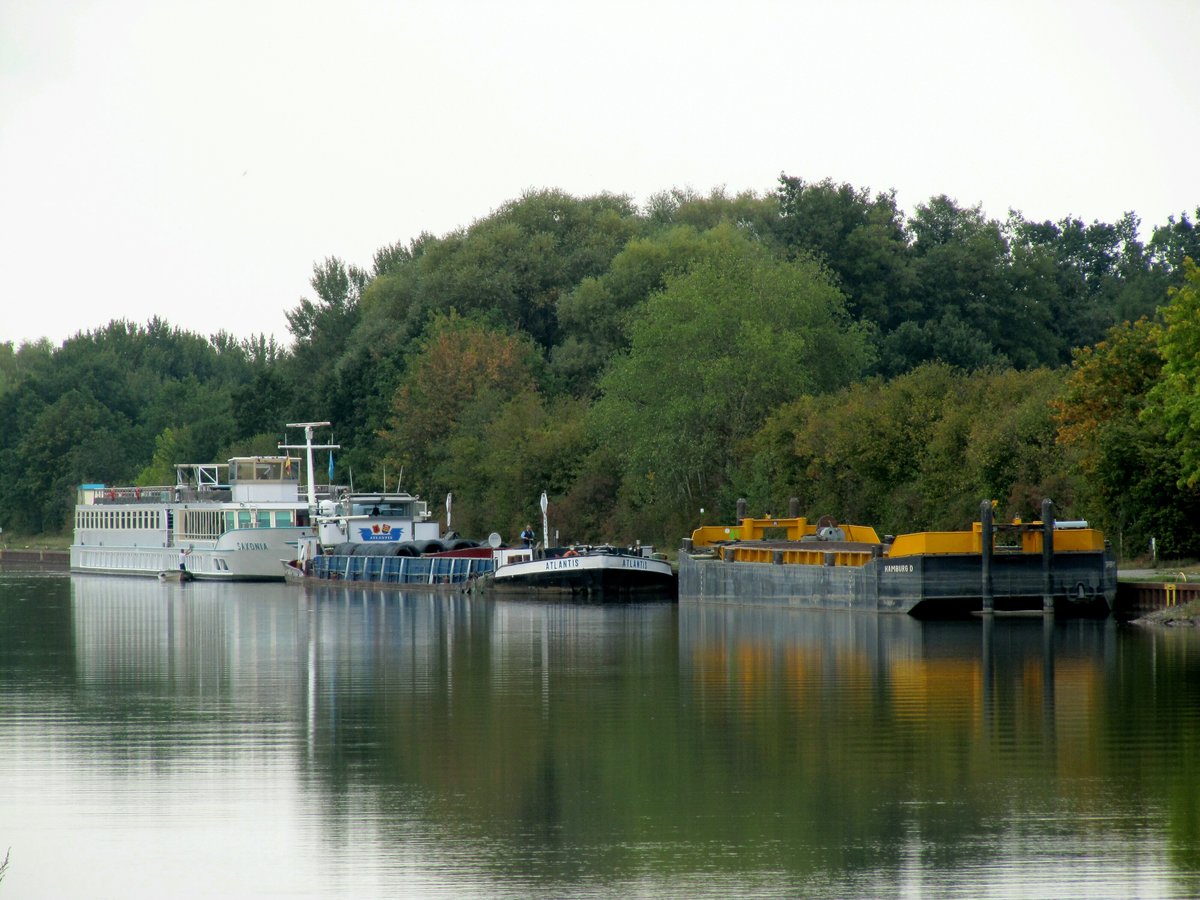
{"x":283,"y":518}
{"x":383,"y":508}
{"x":263,"y":519}
{"x":243,"y":518}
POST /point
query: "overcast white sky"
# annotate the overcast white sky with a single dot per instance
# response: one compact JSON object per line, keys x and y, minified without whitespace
{"x":193,"y":160}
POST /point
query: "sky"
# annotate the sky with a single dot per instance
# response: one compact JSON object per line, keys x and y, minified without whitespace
{"x":193,"y":161}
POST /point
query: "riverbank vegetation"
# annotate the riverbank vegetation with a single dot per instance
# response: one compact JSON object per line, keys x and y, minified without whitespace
{"x":647,"y":366}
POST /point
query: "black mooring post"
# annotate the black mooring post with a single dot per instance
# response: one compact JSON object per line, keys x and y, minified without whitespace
{"x":1047,"y":555}
{"x":985,"y":556}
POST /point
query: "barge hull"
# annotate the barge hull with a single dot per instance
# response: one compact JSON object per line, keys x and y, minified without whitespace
{"x":944,"y":585}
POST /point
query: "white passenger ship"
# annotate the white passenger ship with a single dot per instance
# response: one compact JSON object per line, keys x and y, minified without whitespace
{"x":225,"y":522}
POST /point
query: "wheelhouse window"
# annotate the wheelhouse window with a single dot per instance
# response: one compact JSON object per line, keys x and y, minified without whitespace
{"x":396,"y":510}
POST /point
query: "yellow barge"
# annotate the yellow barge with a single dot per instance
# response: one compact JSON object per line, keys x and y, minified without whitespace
{"x":1065,"y":567}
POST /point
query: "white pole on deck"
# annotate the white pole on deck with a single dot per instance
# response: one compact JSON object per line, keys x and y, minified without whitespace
{"x":544,"y":503}
{"x":309,"y":447}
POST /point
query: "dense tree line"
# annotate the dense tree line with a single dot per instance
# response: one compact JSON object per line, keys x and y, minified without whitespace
{"x":644,"y":364}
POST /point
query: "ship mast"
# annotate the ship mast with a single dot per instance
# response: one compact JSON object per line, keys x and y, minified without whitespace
{"x":308,"y":446}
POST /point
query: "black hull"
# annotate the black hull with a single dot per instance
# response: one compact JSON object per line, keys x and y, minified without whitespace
{"x":1082,"y":584}
{"x":598,"y":584}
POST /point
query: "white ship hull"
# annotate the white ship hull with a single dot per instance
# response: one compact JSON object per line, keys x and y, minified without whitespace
{"x":217,"y":530}
{"x":244,"y":555}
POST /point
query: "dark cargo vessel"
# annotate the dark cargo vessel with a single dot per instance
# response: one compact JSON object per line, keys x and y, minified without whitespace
{"x":1065,"y":568}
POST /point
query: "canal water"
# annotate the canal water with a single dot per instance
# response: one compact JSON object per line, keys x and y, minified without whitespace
{"x":166,"y":740}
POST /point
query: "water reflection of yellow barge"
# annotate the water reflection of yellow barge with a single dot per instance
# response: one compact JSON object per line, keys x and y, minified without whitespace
{"x":1063,"y":567}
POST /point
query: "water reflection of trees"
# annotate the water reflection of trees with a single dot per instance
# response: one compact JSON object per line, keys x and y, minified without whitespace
{"x":571,"y":740}
{"x":949,"y":730}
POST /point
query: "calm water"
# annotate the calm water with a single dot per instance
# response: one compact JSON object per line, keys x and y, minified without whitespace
{"x":226,"y":741}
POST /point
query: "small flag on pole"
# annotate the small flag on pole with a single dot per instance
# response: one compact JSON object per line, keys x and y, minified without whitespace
{"x":331,"y":467}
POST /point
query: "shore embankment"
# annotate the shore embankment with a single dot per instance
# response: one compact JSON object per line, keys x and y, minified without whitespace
{"x":34,"y":556}
{"x":1167,"y":596}
{"x":1183,"y":615}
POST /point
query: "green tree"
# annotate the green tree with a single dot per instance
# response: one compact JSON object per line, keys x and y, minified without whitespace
{"x":964,"y":307}
{"x":754,"y":215}
{"x":74,"y":440}
{"x":1175,"y":399}
{"x":1089,"y":276}
{"x":321,"y":330}
{"x":862,"y":239}
{"x":506,"y":450}
{"x":710,"y":356}
{"x":915,"y":452}
{"x":517,"y":263}
{"x":1130,"y":468}
{"x":169,"y":450}
{"x":594,"y":318}
{"x":460,"y":371}
{"x":1171,"y":244}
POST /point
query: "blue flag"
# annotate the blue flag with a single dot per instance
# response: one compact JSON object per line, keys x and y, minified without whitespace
{"x":331,"y":467}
